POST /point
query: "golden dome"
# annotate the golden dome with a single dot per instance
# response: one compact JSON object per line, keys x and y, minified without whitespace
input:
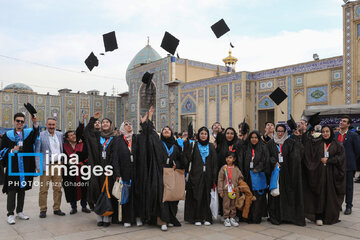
{"x":230,"y":60}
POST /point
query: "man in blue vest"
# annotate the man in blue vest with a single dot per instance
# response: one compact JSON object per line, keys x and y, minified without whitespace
{"x":18,"y":140}
{"x":351,"y":143}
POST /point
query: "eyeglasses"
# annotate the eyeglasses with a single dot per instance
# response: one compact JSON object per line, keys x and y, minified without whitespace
{"x":19,"y":121}
{"x":280,"y":131}
{"x":127,"y":124}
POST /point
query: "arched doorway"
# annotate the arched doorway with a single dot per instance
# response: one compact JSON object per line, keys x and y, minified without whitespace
{"x":147,"y":98}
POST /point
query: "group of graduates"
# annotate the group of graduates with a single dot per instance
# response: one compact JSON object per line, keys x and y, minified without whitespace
{"x":310,"y":164}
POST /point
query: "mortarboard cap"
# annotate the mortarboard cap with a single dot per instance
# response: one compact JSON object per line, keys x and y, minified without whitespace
{"x":30,"y":108}
{"x":291,"y":123}
{"x":169,"y":43}
{"x":220,"y":28}
{"x":278,"y":96}
{"x":147,"y":78}
{"x":91,"y":61}
{"x":314,"y":119}
{"x":110,"y":41}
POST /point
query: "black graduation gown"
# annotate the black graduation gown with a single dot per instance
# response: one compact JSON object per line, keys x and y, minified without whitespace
{"x":324,"y":186}
{"x":259,"y":206}
{"x":124,"y":167}
{"x":223,"y":147}
{"x":289,"y":206}
{"x":75,"y":187}
{"x":29,"y":136}
{"x":2,"y":175}
{"x":197,"y":203}
{"x":149,"y":175}
{"x":95,"y":149}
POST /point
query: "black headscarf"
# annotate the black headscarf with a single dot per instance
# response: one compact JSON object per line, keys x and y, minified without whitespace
{"x":170,"y":141}
{"x":248,"y":140}
{"x":332,"y":135}
{"x":235,"y":139}
{"x":198,"y":136}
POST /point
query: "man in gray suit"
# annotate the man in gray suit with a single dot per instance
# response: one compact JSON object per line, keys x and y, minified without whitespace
{"x":51,"y":144}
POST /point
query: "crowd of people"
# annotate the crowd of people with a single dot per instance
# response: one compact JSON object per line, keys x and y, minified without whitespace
{"x":285,"y":175}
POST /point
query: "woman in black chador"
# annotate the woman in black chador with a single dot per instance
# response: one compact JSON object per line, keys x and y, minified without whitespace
{"x":324,"y":172}
{"x":100,"y":145}
{"x":202,"y":165}
{"x":286,"y":153}
{"x":124,"y":167}
{"x":255,"y":158}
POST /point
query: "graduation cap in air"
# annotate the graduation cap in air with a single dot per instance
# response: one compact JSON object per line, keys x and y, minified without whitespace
{"x":147,"y":78}
{"x":30,"y":109}
{"x":245,"y":128}
{"x":314,"y":119}
{"x":190,"y":131}
{"x":91,"y":61}
{"x":169,"y":43}
{"x":110,"y":41}
{"x":291,"y":123}
{"x":278,"y":96}
{"x":220,"y":28}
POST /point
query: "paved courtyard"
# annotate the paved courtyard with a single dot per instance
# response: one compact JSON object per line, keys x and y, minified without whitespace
{"x":83,"y":226}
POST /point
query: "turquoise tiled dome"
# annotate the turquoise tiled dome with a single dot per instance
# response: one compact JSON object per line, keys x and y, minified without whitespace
{"x":18,"y":86}
{"x":146,"y":55}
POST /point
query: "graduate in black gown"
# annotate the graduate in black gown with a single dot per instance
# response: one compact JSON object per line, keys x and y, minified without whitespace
{"x":75,"y":187}
{"x":201,"y":160}
{"x":152,"y":157}
{"x":286,"y":153}
{"x":324,"y":182}
{"x":124,"y":159}
{"x":100,"y":146}
{"x":228,"y":141}
{"x":255,"y":158}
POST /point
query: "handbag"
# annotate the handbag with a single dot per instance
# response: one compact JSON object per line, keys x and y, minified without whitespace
{"x":125,"y":193}
{"x":258,"y":180}
{"x":103,"y":205}
{"x":274,"y":182}
{"x":214,"y":202}
{"x":117,"y":189}
{"x":174,"y":185}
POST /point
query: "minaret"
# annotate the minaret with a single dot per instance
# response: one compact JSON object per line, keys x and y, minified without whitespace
{"x":230,"y":62}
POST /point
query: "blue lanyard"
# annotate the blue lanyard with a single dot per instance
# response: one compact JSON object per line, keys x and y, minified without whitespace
{"x":279,"y":148}
{"x":103,"y":140}
{"x":167,"y":149}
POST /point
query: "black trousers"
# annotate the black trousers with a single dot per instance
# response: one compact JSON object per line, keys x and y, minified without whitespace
{"x":11,"y":197}
{"x":349,"y":188}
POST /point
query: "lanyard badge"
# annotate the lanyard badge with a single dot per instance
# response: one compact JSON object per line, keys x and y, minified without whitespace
{"x":252,"y":159}
{"x":280,"y":156}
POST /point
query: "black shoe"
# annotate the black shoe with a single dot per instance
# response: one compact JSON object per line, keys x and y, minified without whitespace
{"x":106,"y":224}
{"x":42,"y":214}
{"x":73,"y":211}
{"x":100,"y":224}
{"x":347,"y":211}
{"x":86,"y":210}
{"x":59,"y":213}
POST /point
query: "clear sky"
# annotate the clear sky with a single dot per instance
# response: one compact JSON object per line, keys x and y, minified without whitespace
{"x":61,"y":34}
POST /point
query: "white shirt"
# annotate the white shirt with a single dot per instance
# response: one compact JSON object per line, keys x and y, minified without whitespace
{"x":54,"y":146}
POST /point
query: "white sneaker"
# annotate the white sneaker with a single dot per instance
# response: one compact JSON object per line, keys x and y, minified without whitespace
{"x":170,"y":225}
{"x":138,"y":222}
{"x":22,"y":216}
{"x":227,"y":223}
{"x":233,"y":222}
{"x":197,"y":223}
{"x":163,"y":227}
{"x":206,"y":223}
{"x":127,"y":225}
{"x":319,"y":222}
{"x":11,"y":219}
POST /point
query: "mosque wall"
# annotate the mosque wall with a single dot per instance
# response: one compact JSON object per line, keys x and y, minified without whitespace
{"x":66,"y":107}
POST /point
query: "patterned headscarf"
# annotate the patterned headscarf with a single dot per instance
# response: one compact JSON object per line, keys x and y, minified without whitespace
{"x":128,"y":135}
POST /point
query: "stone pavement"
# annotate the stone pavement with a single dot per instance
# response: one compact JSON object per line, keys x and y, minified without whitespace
{"x":83,"y":226}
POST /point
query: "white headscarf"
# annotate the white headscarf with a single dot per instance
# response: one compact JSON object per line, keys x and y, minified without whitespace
{"x":280,"y":140}
{"x":128,"y":135}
